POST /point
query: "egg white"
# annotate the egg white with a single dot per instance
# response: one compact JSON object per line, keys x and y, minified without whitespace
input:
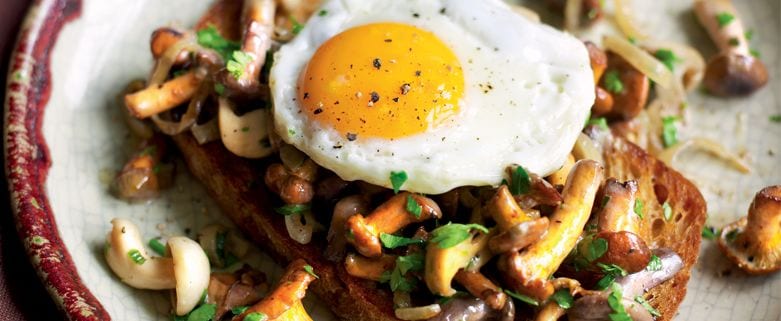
{"x":528,"y":92}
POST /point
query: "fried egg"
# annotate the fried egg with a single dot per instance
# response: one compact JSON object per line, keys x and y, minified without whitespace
{"x":449,"y":91}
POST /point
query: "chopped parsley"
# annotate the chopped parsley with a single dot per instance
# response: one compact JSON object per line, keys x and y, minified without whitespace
{"x":732,"y":235}
{"x":724,"y":18}
{"x":734,"y":42}
{"x":632,"y":40}
{"x":647,"y":306}
{"x":522,"y":298}
{"x":614,"y":301}
{"x":563,"y":298}
{"x":391,"y":241}
{"x":210,"y":38}
{"x":136,"y":256}
{"x":322,"y":13}
{"x":450,"y":235}
{"x":667,"y":57}
{"x":404,"y":264}
{"x":397,"y":180}
{"x":710,"y":233}
{"x":413,"y":207}
{"x":239,"y":310}
{"x":256,"y":316}
{"x":520,"y":182}
{"x":668,"y":211}
{"x":596,"y":249}
{"x":613,"y":82}
{"x":655,"y":264}
{"x":204,"y":312}
{"x":238,"y":63}
{"x":754,"y":52}
{"x":639,"y":208}
{"x":219,"y":89}
{"x":157,"y":246}
{"x":775,"y":118}
{"x":600,"y":122}
{"x":669,"y":131}
{"x":297,"y":26}
{"x":292,"y":209}
{"x":612,"y":272}
{"x":310,"y":270}
{"x":749,"y":34}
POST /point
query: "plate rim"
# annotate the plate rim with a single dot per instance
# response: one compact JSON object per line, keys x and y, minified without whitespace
{"x":27,"y":158}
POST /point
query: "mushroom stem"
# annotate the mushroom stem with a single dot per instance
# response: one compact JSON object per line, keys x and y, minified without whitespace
{"x":154,"y":273}
{"x":343,"y":210}
{"x":162,"y":39}
{"x":480,"y":286}
{"x":258,"y":21}
{"x":505,"y":210}
{"x":370,"y":269}
{"x":245,"y":135}
{"x":391,"y":216}
{"x":442,"y":265}
{"x":754,"y":242}
{"x":290,"y":289}
{"x":727,"y":33}
{"x":618,"y":203}
{"x":531,"y":269}
{"x":550,"y":312}
{"x":157,"y":99}
{"x":519,"y":236}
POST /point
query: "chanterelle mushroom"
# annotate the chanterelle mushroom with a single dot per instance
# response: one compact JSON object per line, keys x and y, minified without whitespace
{"x":754,"y":242}
{"x":734,"y":71}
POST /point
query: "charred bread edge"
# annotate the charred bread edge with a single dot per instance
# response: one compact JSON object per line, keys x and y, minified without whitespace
{"x":237,"y":186}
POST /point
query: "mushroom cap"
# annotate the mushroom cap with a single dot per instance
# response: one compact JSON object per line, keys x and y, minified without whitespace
{"x":191,"y":271}
{"x":732,"y":74}
{"x":753,"y":243}
{"x":625,"y":249}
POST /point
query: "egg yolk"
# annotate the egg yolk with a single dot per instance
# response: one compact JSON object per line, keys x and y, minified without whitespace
{"x":382,"y":80}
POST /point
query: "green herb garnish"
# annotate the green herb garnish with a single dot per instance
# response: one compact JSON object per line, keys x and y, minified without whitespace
{"x":404,"y":264}
{"x":520,"y":182}
{"x":614,"y":301}
{"x":724,"y":18}
{"x":669,"y":131}
{"x":450,"y":235}
{"x":522,"y":298}
{"x":647,"y":306}
{"x":734,"y":42}
{"x":775,"y":118}
{"x":210,"y":38}
{"x":297,"y":26}
{"x":710,"y":233}
{"x":256,"y":316}
{"x":563,"y":298}
{"x":601,"y":122}
{"x":613,"y":82}
{"x":413,"y":207}
{"x":667,"y":57}
{"x":239,"y":310}
{"x":397,"y":180}
{"x":157,"y":246}
{"x":322,"y":13}
{"x":391,"y":241}
{"x":639,"y":208}
{"x":596,"y":249}
{"x":292,"y":209}
{"x":655,"y":264}
{"x":732,"y":235}
{"x":204,"y":312}
{"x":238,"y":62}
{"x":310,"y":270}
{"x":136,"y":256}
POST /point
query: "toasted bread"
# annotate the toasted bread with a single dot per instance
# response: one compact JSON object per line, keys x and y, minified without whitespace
{"x":237,"y":185}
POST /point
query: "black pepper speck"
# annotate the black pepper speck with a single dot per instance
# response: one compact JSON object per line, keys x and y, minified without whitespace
{"x":377,"y":63}
{"x":375,"y":96}
{"x":352,"y":137}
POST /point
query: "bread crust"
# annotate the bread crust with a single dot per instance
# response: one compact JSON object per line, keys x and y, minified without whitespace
{"x":237,"y":186}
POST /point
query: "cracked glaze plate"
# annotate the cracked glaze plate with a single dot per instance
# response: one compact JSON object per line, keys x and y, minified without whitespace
{"x":74,"y":57}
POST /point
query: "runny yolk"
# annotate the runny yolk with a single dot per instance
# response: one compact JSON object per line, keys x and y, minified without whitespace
{"x":382,"y":80}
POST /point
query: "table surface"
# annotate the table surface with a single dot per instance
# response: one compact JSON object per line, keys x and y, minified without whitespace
{"x":22,"y":296}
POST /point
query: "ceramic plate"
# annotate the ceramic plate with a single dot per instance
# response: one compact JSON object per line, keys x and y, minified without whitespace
{"x":65,"y":138}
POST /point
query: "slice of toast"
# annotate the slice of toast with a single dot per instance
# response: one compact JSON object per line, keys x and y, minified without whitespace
{"x":237,"y":185}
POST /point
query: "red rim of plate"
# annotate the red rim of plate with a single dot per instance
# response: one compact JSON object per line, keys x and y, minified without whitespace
{"x":27,"y":157}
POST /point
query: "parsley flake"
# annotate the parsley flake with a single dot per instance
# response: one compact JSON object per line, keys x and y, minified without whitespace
{"x":157,"y":246}
{"x":647,"y":306}
{"x":413,"y":207}
{"x":724,"y":18}
{"x":732,"y":235}
{"x":639,"y":208}
{"x":391,"y":241}
{"x":238,"y":63}
{"x":520,"y":182}
{"x":667,"y":57}
{"x":669,"y":131}
{"x":292,"y":209}
{"x":563,"y":298}
{"x":523,"y":298}
{"x":775,"y":118}
{"x":239,"y":310}
{"x":600,"y":122}
{"x":596,"y":249}
{"x":613,"y":82}
{"x":297,"y":26}
{"x":136,"y":256}
{"x":256,"y":316}
{"x":450,"y":235}
{"x":655,"y":264}
{"x":710,"y":233}
{"x":404,"y":264}
{"x":397,"y":180}
{"x":614,"y":301}
{"x":210,"y":38}
{"x":322,"y":13}
{"x":219,"y":89}
{"x":310,"y":270}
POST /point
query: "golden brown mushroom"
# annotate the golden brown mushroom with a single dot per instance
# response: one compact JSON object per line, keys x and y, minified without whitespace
{"x":604,"y":100}
{"x":369,"y":268}
{"x":229,"y":290}
{"x":288,"y":293}
{"x":442,"y":264}
{"x":481,"y":287}
{"x":258,"y":22}
{"x":162,"y":39}
{"x":619,"y":225}
{"x":733,"y":71}
{"x":530,"y":270}
{"x":157,"y":99}
{"x":631,"y":99}
{"x":753,"y":243}
{"x":391,"y":216}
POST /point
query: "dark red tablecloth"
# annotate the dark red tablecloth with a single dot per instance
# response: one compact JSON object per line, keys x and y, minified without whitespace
{"x":22,"y":296}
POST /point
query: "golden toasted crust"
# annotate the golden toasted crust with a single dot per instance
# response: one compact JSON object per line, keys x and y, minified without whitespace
{"x":237,"y":185}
